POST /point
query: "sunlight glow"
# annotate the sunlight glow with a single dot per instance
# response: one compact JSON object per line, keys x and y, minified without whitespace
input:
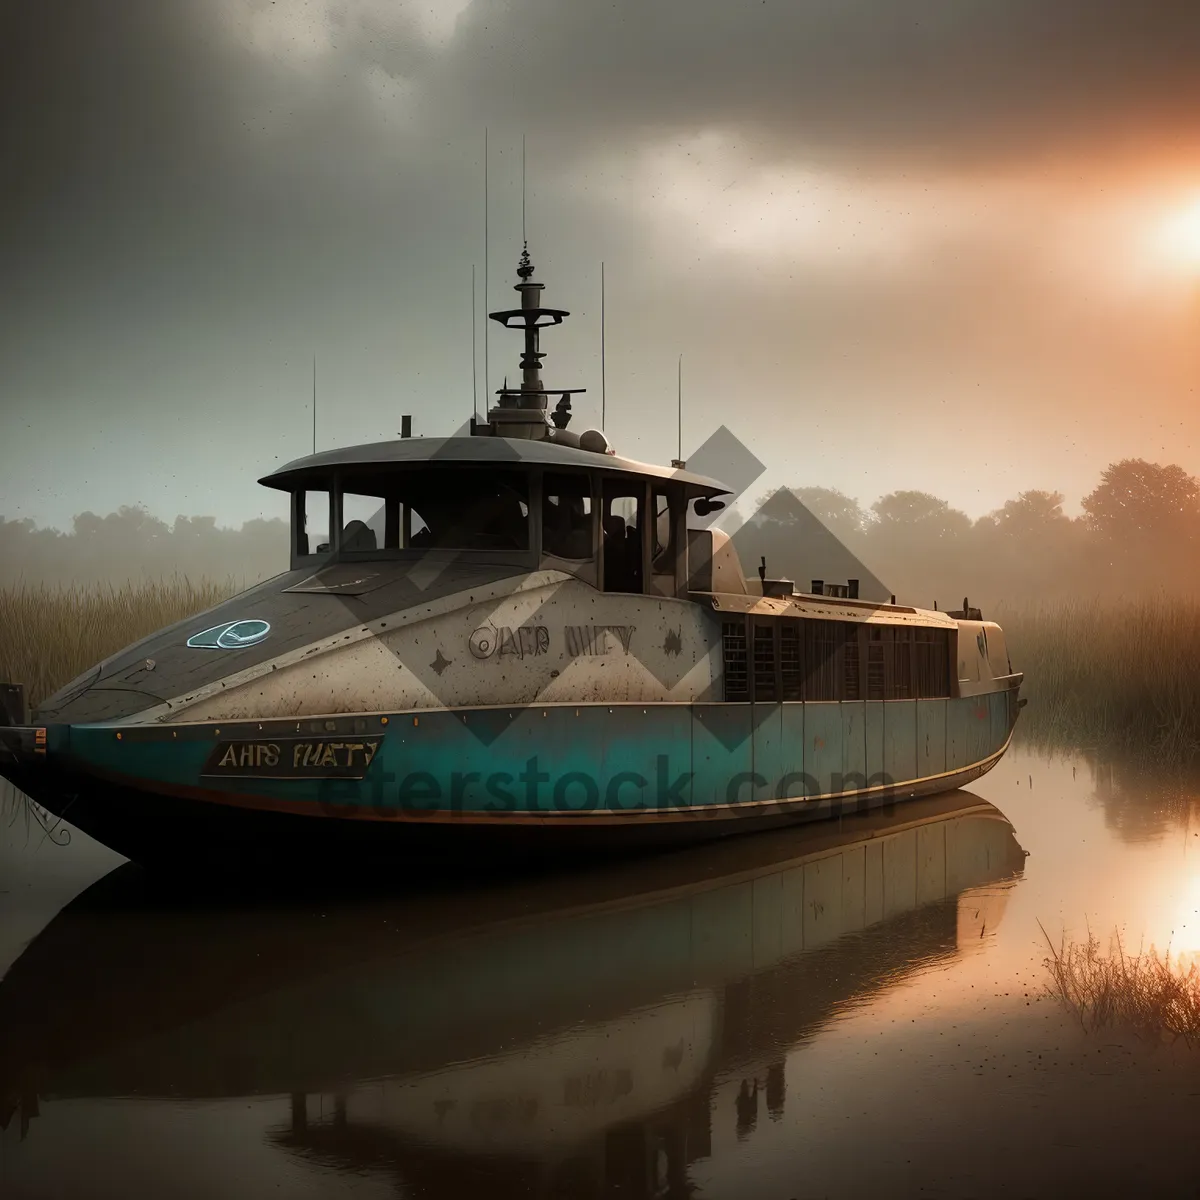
{"x":1185,"y":934}
{"x":1177,"y":237}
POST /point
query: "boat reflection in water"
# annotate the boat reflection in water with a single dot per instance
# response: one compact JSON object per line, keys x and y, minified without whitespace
{"x":559,"y":1035}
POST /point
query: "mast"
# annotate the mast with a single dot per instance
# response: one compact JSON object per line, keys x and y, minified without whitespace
{"x":521,"y":412}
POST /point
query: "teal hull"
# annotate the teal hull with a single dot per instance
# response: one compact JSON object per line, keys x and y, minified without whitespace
{"x":569,"y":760}
{"x":611,"y":766}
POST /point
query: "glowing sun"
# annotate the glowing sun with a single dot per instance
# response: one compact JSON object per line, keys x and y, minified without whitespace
{"x":1178,"y":236}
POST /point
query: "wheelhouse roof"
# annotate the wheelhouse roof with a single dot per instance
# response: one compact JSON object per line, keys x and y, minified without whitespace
{"x":474,"y":451}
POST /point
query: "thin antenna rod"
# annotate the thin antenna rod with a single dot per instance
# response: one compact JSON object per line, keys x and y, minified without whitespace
{"x":314,"y":404}
{"x":486,"y":324}
{"x":603,"y":395}
{"x":679,"y":418}
{"x":474,"y":352}
{"x":524,"y":239}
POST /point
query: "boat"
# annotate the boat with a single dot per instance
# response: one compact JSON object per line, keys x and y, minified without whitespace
{"x":519,"y":1029}
{"x":509,"y":645}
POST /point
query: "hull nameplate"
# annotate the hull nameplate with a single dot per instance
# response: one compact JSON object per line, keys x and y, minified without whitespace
{"x":292,"y":758}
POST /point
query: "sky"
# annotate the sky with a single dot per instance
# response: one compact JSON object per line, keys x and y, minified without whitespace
{"x":951,"y":245}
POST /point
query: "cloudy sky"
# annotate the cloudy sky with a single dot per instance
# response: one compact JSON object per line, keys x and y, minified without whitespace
{"x":945,"y":244}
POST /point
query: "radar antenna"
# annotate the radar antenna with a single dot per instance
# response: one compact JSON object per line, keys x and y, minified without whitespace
{"x":521,"y":412}
{"x":678,"y":462}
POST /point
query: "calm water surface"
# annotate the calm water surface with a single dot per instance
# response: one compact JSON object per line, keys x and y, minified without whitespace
{"x":843,"y":1010}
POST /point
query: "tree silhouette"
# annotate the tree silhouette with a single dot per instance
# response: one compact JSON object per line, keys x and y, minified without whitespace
{"x":1031,"y":514}
{"x":802,"y":543}
{"x":131,"y":543}
{"x":839,"y":513}
{"x":918,"y":512}
{"x":1136,"y":498}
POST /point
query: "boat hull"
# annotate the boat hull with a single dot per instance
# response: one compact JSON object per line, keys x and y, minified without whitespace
{"x":494,"y":785}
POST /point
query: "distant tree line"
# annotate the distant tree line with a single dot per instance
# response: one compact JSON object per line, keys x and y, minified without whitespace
{"x":131,"y":544}
{"x":1139,"y":533}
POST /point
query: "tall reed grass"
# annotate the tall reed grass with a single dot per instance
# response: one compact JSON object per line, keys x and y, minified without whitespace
{"x":1144,"y":993}
{"x":49,"y":635}
{"x":1123,"y":677}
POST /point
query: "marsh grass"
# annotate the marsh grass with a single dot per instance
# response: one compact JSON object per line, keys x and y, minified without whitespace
{"x":18,"y":811}
{"x":11,"y":802}
{"x":1148,"y":994}
{"x":49,"y":635}
{"x":1118,"y":676}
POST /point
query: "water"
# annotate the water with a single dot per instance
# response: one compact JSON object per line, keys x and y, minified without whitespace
{"x":822,"y":1012}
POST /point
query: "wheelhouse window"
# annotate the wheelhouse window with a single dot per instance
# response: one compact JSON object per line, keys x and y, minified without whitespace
{"x":621,"y":525}
{"x":668,"y":520}
{"x":312,"y":523}
{"x":372,"y":520}
{"x":467,"y":509}
{"x":567,"y":516}
{"x":364,"y":522}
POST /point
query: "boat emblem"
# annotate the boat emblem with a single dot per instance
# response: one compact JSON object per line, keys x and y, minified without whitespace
{"x":483,"y":641}
{"x":233,"y":635}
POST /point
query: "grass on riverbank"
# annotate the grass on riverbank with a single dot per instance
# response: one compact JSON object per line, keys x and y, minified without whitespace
{"x":1147,"y":994}
{"x":48,"y":635}
{"x":1121,"y":677}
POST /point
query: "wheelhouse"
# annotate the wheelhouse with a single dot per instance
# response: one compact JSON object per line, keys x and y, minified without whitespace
{"x":618,"y":525}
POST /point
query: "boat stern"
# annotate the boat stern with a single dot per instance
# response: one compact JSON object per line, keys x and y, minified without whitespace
{"x":28,"y":752}
{"x":21,"y":744}
{"x":22,"y":748}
